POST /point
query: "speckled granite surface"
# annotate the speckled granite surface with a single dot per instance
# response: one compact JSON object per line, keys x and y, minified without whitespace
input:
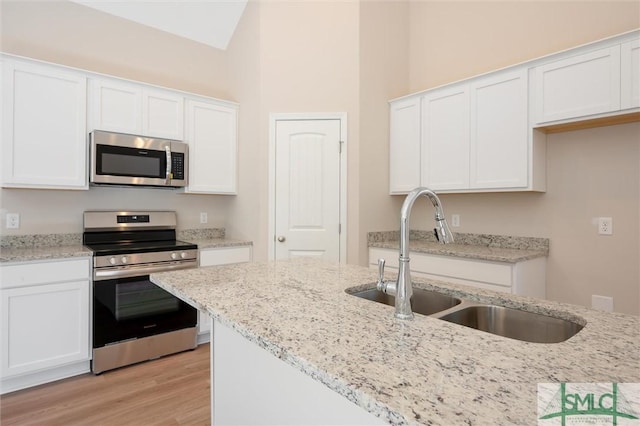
{"x":498,"y":248}
{"x":210,"y":238}
{"x":24,"y":248}
{"x":425,"y":371}
{"x":20,"y":248}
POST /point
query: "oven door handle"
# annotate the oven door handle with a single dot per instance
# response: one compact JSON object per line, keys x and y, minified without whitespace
{"x":137,"y":270}
{"x":169,"y":174}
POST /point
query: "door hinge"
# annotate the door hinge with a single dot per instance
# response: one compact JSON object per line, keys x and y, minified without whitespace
{"x":339,"y":228}
{"x":340,"y":146}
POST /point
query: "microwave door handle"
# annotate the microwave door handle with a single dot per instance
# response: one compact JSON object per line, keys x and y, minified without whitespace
{"x":168,"y":171}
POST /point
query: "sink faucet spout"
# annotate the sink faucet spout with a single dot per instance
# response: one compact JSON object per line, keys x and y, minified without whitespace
{"x":403,"y":288}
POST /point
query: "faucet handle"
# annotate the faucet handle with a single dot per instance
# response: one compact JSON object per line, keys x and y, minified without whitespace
{"x":381,"y":263}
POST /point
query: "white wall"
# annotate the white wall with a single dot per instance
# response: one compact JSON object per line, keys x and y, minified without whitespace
{"x":590,"y":173}
{"x":77,"y":36}
{"x":319,"y":56}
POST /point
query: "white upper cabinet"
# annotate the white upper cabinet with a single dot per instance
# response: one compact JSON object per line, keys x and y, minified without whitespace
{"x":404,"y":145}
{"x":630,"y":74}
{"x":499,"y":148}
{"x":125,"y":107}
{"x":44,"y":135}
{"x":578,"y":86}
{"x":446,"y":138}
{"x":475,"y":136}
{"x":211,"y":132}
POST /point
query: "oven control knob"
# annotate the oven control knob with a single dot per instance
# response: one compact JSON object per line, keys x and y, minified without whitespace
{"x":174,"y":255}
{"x":124,"y":259}
{"x":183,"y":255}
{"x":112,"y":260}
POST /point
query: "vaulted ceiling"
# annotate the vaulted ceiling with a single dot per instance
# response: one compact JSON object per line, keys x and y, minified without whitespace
{"x":211,"y":22}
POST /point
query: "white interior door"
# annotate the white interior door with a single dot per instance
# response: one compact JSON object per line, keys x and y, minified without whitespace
{"x":307,"y":189}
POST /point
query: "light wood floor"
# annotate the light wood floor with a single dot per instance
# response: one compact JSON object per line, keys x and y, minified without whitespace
{"x":173,"y":390}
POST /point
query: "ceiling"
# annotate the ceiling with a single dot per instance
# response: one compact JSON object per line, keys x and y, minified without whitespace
{"x":211,"y":22}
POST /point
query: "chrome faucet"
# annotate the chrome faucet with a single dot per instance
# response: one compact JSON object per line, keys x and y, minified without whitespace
{"x":402,"y":288}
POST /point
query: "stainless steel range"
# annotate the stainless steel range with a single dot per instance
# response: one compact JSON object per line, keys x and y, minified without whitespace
{"x":133,"y":319}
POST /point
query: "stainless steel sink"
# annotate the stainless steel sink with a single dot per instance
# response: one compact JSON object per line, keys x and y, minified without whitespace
{"x":514,"y":323}
{"x":424,"y":302}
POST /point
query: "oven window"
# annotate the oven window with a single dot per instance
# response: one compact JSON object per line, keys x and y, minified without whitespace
{"x":129,"y":298}
{"x":141,"y":298}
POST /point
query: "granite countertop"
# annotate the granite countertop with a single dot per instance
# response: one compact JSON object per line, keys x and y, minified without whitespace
{"x":424,"y":371}
{"x":210,"y":238}
{"x":23,"y":248}
{"x":495,"y":248}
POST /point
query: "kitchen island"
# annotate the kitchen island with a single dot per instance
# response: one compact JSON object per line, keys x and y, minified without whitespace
{"x":424,"y":371}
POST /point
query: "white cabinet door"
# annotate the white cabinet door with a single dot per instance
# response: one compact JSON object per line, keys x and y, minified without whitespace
{"x":44,"y":137}
{"x":44,"y":326}
{"x":125,"y":107}
{"x":578,"y":86}
{"x":162,"y":114}
{"x":404,"y":145}
{"x":630,"y":74}
{"x":499,"y":132}
{"x":445,"y":144}
{"x":211,"y":132}
{"x":116,"y":106}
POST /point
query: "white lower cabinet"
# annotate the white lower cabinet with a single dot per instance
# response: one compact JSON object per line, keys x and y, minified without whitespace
{"x":45,"y":322}
{"x":525,"y":278}
{"x":251,"y":386}
{"x":213,"y":257}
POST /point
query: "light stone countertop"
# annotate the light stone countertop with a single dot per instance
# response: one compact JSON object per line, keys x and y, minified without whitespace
{"x":425,"y":371}
{"x":25,"y":254}
{"x":24,"y":248}
{"x":33,"y":247}
{"x":495,"y":248}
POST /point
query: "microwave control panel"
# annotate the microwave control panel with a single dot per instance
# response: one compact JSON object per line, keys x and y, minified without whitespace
{"x":177,"y":165}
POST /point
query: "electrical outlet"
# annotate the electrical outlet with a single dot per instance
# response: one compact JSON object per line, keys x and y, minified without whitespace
{"x":203,"y":217}
{"x":605,"y":226}
{"x":455,"y":220}
{"x":13,"y":221}
{"x":602,"y":303}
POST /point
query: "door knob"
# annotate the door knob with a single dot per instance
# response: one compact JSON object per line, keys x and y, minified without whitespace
{"x":281,"y":239}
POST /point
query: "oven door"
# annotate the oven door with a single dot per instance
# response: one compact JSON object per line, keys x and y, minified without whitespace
{"x":134,"y":307}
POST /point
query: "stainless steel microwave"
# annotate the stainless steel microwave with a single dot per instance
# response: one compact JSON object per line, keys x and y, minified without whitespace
{"x":131,"y":160}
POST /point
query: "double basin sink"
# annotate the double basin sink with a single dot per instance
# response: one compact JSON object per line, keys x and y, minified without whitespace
{"x":507,"y":322}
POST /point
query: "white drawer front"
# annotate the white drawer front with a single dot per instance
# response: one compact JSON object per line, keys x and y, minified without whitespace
{"x":466,"y":269}
{"x":226,"y":255}
{"x":31,"y":273}
{"x":449,"y":268}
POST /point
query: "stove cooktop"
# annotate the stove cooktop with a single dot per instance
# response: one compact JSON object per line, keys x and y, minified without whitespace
{"x":107,"y":249}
